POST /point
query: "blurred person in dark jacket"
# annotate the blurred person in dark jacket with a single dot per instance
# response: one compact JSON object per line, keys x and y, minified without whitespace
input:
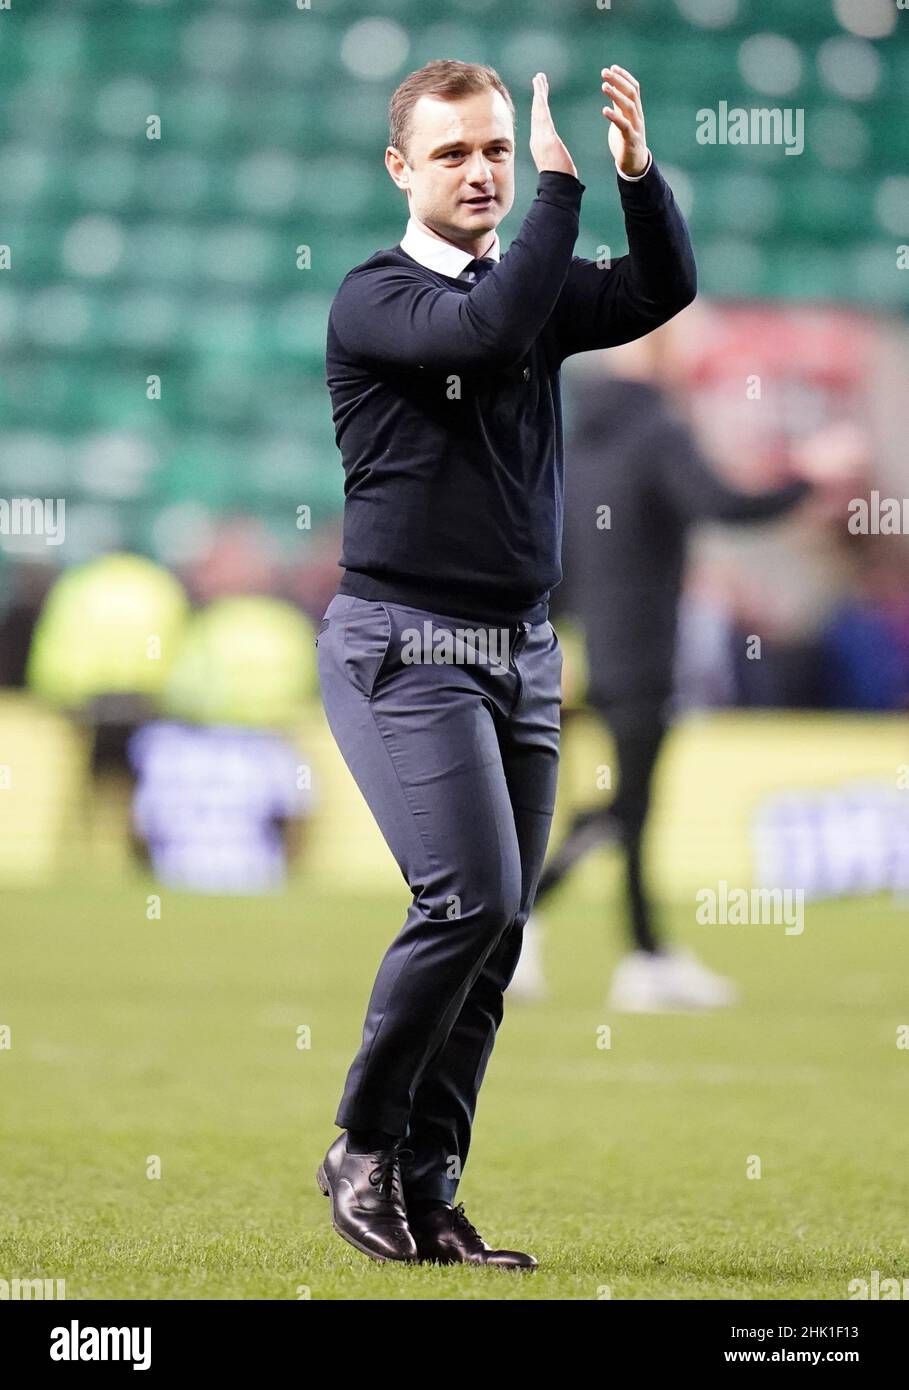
{"x":636,"y":484}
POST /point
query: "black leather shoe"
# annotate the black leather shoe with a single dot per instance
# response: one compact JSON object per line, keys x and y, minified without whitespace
{"x":444,"y":1234}
{"x":367,"y":1201}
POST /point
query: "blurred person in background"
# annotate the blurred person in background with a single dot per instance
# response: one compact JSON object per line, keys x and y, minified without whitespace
{"x":704,"y":667}
{"x":237,"y":559}
{"x":101,"y":652}
{"x":865,"y":645}
{"x":630,"y":453}
{"x":312,"y":581}
{"x":222,"y":792}
{"x":790,"y":672}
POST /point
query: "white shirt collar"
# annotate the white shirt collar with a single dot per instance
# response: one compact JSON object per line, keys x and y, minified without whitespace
{"x":438,"y":255}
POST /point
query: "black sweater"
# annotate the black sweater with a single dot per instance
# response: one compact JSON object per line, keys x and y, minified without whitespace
{"x":446,"y":400}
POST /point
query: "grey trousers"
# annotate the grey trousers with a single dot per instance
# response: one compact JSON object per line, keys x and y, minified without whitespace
{"x":451,"y":730}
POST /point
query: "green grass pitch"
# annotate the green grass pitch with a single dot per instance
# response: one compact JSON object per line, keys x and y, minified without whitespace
{"x":624,"y":1170}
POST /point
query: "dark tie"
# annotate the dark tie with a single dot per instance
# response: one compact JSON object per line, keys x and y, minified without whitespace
{"x":475,"y":270}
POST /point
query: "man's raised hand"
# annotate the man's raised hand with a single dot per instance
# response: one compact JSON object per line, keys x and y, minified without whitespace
{"x":627,"y":137}
{"x":547,"y":149}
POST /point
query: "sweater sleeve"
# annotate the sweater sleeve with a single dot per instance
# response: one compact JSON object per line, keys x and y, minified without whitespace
{"x":393,"y":315}
{"x":599,"y":306}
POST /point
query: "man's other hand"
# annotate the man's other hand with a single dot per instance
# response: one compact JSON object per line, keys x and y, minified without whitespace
{"x":627,"y":137}
{"x":547,"y":149}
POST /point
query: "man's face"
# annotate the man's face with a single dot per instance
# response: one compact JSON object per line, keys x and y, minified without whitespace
{"x":458,"y":152}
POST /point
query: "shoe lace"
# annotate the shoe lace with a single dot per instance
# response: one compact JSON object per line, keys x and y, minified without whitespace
{"x":460,"y":1219}
{"x":385,"y":1174}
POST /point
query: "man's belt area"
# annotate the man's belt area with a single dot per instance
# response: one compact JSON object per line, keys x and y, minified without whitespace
{"x":494,"y":608}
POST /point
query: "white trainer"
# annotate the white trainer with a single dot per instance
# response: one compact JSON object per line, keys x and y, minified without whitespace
{"x":664,"y":982}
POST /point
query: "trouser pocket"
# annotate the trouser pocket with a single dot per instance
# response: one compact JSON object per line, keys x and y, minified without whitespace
{"x":364,"y":640}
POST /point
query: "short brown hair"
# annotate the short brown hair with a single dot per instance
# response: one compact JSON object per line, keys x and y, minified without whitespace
{"x":443,"y":77}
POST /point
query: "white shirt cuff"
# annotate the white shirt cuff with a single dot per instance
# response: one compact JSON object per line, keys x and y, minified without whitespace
{"x":633,"y":178}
